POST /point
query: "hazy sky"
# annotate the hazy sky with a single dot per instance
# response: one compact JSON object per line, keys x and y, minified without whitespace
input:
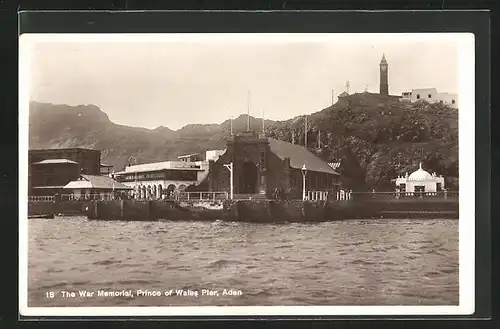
{"x":173,"y":82}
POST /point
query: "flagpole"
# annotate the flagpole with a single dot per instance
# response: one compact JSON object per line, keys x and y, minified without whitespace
{"x":305,"y":131}
{"x":248,"y":110}
{"x":263,"y":123}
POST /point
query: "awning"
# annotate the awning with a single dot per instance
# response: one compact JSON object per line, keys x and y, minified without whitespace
{"x":79,"y":184}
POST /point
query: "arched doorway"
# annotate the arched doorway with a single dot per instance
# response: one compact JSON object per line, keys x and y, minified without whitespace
{"x":160,"y":191}
{"x":154,"y":193}
{"x":170,"y":191}
{"x":248,"y":178}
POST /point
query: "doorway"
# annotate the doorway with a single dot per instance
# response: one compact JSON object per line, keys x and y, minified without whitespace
{"x":419,"y":190}
{"x":248,"y":178}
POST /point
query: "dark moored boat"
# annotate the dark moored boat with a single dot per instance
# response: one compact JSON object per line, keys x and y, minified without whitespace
{"x":42,"y":216}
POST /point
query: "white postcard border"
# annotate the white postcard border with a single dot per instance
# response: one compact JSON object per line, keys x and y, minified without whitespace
{"x":465,"y":44}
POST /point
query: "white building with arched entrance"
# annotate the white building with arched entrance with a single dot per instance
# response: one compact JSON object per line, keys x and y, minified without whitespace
{"x":160,"y":179}
{"x":420,"y":181}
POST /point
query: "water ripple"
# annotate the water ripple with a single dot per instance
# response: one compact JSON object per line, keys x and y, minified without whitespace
{"x":365,"y":262}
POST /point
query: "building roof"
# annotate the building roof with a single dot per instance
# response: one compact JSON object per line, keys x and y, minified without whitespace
{"x":96,"y":182}
{"x":54,"y":161}
{"x":420,"y":174}
{"x":106,"y":165}
{"x":334,"y":165}
{"x":424,"y":90}
{"x":64,"y":149}
{"x":299,"y":156}
{"x":187,"y":155}
{"x":343,"y":94}
{"x":157,"y":166}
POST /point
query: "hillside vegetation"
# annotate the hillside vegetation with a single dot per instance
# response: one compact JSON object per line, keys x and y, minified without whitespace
{"x":374,"y":141}
{"x":377,"y":142}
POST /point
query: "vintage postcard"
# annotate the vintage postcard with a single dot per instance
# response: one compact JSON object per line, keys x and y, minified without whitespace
{"x":270,"y":174}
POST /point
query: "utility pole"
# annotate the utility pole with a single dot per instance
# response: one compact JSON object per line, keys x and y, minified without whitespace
{"x":263,"y":125}
{"x":248,"y":110}
{"x":231,"y":126}
{"x":305,"y":131}
{"x":230,"y":168}
{"x":332,"y":98}
{"x":319,"y":139}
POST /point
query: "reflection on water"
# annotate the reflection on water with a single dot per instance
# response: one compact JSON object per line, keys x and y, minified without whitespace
{"x":356,"y":262}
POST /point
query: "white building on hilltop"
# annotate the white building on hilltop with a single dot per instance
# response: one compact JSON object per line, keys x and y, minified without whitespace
{"x":430,"y":95}
{"x":420,"y":181}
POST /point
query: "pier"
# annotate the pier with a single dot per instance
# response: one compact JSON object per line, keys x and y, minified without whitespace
{"x":207,"y":206}
{"x":273,"y":211}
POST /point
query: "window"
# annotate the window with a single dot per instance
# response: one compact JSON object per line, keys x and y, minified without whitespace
{"x":418,"y":96}
{"x":441,"y":102}
{"x":452,"y":101}
{"x":429,"y":96}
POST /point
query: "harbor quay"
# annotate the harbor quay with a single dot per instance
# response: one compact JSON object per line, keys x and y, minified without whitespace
{"x":272,"y":211}
{"x":255,"y":179}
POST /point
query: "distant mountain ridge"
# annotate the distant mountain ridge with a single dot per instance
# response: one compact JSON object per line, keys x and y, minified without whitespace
{"x":374,"y":141}
{"x":58,"y":126}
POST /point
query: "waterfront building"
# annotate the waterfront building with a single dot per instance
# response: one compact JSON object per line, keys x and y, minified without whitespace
{"x":106,"y":169}
{"x":89,"y":160}
{"x":420,"y":181}
{"x":159,"y":179}
{"x":213,"y":154}
{"x":190,"y":157}
{"x":48,"y":177}
{"x":163,"y":179}
{"x":49,"y":170}
{"x":261,"y":165}
{"x":90,"y":186}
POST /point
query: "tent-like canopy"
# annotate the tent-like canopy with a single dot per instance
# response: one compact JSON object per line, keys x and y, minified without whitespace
{"x":97,"y":183}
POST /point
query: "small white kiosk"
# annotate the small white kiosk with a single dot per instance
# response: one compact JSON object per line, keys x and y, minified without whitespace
{"x":420,"y":182}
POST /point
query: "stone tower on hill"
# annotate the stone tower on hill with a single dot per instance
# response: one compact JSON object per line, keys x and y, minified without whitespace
{"x":384,"y":84}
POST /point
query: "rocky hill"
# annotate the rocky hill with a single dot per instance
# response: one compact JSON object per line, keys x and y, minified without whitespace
{"x":375,"y":141}
{"x":59,"y":126}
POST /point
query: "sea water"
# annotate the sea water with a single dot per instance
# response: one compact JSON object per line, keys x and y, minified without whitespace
{"x":352,"y":262}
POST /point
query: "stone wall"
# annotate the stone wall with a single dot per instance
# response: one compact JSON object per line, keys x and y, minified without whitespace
{"x":68,"y":208}
{"x":319,"y":211}
{"x":109,"y":210}
{"x":270,"y":211}
{"x":138,"y":210}
{"x":289,"y":211}
{"x":41,"y":208}
{"x":132,"y":210}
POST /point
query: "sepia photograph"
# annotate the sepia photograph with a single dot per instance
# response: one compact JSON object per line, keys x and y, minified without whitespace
{"x":246,"y":174}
